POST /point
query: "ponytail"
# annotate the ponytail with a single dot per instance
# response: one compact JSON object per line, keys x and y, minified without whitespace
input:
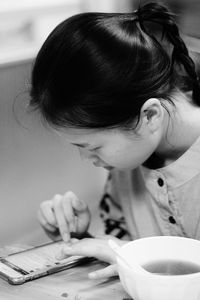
{"x":153,"y":12}
{"x":96,"y":70}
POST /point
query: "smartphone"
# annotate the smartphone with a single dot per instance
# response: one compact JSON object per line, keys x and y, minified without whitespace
{"x":36,"y":262}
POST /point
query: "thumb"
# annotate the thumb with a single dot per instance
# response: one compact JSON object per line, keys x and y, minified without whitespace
{"x":104,"y":273}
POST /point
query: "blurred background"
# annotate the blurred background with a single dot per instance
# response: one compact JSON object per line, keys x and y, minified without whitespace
{"x":35,"y":164}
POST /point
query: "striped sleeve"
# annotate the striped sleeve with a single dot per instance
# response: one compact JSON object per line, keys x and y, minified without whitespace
{"x":110,"y":211}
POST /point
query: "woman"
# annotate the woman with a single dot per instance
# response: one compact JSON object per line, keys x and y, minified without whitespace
{"x":124,"y":90}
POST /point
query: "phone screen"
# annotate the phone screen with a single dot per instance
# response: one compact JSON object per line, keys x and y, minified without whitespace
{"x":35,"y":259}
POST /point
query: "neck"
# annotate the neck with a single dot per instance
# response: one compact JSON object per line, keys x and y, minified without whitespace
{"x":182,"y":128}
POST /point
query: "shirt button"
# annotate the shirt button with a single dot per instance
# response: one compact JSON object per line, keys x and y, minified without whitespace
{"x":172,"y":220}
{"x":160,"y":182}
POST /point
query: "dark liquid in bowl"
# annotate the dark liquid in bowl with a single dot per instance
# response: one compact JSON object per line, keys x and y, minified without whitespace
{"x":171,"y":267}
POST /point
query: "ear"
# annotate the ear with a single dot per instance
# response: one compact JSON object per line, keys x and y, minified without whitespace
{"x":152,"y":115}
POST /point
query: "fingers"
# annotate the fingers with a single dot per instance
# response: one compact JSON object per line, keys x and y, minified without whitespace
{"x":89,"y":247}
{"x":77,"y":204}
{"x":46,"y":210}
{"x":107,"y":237}
{"x":109,"y":271}
{"x":76,"y":248}
{"x":66,"y":213}
{"x":44,"y":222}
{"x":111,"y":237}
{"x":69,"y":213}
{"x":92,"y":247}
{"x":81,"y":216}
{"x":60,"y":218}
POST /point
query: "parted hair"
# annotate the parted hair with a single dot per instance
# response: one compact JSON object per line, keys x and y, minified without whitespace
{"x":96,"y":70}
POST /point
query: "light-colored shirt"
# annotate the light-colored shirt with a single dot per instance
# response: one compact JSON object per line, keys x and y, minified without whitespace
{"x":148,"y":202}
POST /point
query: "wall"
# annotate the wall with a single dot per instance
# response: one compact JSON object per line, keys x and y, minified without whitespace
{"x":35,"y":163}
{"x":107,"y":5}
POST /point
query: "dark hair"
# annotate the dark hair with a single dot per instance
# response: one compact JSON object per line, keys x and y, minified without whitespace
{"x":96,"y":70}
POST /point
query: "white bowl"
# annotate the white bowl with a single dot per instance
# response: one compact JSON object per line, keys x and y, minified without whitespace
{"x":143,"y":285}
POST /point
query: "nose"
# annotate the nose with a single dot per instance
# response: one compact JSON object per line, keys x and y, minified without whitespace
{"x":84,"y":154}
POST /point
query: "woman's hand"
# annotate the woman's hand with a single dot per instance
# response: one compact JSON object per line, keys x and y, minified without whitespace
{"x":63,"y":215}
{"x":94,"y":247}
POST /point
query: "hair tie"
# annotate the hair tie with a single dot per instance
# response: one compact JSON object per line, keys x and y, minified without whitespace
{"x":137,"y":12}
{"x":139,"y":18}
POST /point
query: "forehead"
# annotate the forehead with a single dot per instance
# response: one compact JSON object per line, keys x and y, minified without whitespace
{"x":90,"y":136}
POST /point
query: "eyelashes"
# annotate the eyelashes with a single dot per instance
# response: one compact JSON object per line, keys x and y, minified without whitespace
{"x":91,"y":150}
{"x":94,"y":149}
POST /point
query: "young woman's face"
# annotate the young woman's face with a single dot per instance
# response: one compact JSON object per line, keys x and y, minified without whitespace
{"x":112,"y":148}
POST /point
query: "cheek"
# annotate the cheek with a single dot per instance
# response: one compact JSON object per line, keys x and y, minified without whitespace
{"x":119,"y":157}
{"x":111,"y":155}
{"x":129,"y":156}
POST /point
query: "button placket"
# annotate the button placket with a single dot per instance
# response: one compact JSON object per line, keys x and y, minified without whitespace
{"x":172,"y":217}
{"x":161,"y":183}
{"x":162,"y":195}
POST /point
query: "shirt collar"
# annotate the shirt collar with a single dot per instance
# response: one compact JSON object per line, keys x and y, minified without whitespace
{"x":181,"y":170}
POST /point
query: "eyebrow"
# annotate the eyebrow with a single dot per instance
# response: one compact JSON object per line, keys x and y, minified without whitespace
{"x":81,"y":145}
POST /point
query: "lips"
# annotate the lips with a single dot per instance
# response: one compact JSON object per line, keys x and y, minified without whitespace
{"x":102,"y":166}
{"x":109,"y":168}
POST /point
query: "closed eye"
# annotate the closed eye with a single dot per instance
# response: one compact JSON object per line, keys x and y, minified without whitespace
{"x":94,"y":149}
{"x":83,"y":146}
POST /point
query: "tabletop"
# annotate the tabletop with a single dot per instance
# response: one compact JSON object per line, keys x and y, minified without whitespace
{"x":70,"y":284}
